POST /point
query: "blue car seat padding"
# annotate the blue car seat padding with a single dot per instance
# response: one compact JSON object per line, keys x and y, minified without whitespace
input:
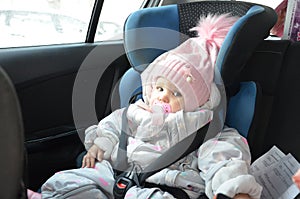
{"x":241,"y":107}
{"x":147,"y":35}
{"x":150,"y":32}
{"x":130,"y":85}
{"x":242,"y":40}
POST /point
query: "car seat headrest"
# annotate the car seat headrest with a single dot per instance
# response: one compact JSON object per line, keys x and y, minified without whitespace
{"x":151,"y":31}
{"x":242,"y":40}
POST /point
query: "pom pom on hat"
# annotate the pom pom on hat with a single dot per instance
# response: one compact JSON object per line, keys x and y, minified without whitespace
{"x":214,"y":28}
{"x":190,"y":66}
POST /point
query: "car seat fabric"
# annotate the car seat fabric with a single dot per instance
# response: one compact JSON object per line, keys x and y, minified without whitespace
{"x":283,"y":129}
{"x":146,"y":35}
{"x":242,"y":40}
{"x":264,"y":67}
{"x":241,"y":107}
{"x":134,"y":87}
{"x":11,"y":141}
{"x":152,"y":31}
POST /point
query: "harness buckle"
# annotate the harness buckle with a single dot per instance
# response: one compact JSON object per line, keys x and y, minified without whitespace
{"x":125,"y":181}
{"x":122,"y":185}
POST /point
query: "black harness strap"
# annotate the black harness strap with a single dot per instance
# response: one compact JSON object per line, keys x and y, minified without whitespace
{"x":126,"y":179}
{"x":122,"y":162}
{"x":190,"y":144}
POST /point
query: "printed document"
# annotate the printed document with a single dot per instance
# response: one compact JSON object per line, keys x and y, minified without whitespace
{"x":274,"y":171}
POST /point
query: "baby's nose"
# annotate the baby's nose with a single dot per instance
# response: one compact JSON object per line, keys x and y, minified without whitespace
{"x":164,"y":97}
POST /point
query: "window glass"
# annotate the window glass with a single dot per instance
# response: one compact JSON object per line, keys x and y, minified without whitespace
{"x":44,"y":22}
{"x":270,"y":3}
{"x":112,"y":18}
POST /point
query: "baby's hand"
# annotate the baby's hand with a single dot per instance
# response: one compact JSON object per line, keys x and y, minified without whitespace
{"x":296,"y":178}
{"x":241,"y":196}
{"x":238,"y":196}
{"x":93,"y":153}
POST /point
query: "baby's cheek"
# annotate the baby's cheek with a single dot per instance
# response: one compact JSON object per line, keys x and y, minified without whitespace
{"x":179,"y":105}
{"x":175,"y":107}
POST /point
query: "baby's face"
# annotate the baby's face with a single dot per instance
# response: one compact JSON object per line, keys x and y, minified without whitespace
{"x":165,"y":92}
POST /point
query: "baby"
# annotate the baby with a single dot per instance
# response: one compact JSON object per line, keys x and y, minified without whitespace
{"x":179,"y":98}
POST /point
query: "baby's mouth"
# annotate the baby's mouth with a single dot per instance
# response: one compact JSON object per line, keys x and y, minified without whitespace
{"x":164,"y":107}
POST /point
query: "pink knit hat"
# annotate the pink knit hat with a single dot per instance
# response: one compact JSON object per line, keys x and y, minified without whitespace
{"x":190,"y":66}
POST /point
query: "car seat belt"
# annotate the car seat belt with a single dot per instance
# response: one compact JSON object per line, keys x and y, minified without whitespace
{"x":124,"y":178}
{"x":122,"y":162}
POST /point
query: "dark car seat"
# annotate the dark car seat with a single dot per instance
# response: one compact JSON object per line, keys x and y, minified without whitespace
{"x":12,"y":142}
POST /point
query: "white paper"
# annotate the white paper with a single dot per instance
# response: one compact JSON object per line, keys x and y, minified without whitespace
{"x":269,"y":158}
{"x":274,"y":171}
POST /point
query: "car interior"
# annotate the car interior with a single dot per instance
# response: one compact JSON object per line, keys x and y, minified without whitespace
{"x":67,"y":88}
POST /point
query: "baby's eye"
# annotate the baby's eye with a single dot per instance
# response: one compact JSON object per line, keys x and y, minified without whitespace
{"x":177,"y":94}
{"x":159,"y":88}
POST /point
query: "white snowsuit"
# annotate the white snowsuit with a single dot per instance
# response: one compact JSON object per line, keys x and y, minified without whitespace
{"x":220,"y":166}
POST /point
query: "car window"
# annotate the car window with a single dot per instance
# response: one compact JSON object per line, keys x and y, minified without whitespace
{"x":270,"y":3}
{"x":112,"y":18}
{"x":45,"y":22}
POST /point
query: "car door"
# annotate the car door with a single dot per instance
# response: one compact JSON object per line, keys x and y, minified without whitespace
{"x":56,"y":67}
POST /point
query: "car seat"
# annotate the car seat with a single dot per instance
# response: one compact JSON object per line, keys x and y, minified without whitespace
{"x":152,"y":31}
{"x":11,"y":141}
